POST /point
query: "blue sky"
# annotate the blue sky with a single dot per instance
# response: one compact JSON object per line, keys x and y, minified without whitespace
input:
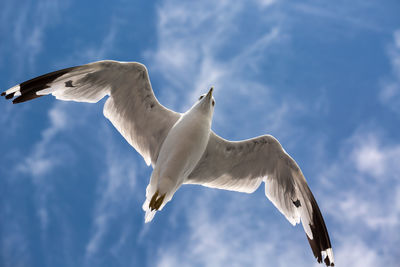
{"x":323,"y":77}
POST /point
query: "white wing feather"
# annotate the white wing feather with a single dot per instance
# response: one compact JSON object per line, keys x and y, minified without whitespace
{"x":243,"y":165}
{"x":132,"y":107}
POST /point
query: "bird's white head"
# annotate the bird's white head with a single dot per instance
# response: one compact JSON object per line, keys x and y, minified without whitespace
{"x":206,"y":103}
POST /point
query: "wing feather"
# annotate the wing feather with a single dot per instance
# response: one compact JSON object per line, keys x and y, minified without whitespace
{"x":243,"y":165}
{"x":131,"y":107}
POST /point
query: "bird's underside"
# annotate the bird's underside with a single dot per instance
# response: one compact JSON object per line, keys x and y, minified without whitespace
{"x":145,"y":124}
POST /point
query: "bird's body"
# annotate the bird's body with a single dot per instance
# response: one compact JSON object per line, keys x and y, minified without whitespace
{"x":182,"y":148}
{"x":179,"y":154}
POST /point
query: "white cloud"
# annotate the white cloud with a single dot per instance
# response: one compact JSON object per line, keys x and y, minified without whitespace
{"x":188,"y":57}
{"x":365,"y":203}
{"x":266,"y":3}
{"x":223,"y":230}
{"x":373,"y":158}
{"x":116,"y":186}
{"x":396,"y":36}
{"x":369,"y":158}
{"x":184,"y":46}
{"x":42,"y":159}
{"x":99,"y":52}
{"x":358,"y":18}
{"x":364,"y":156}
{"x":49,"y":153}
{"x":116,"y":190}
{"x":358,"y":210}
{"x":91,"y":52}
{"x":356,"y":253}
{"x":25,"y":23}
{"x":14,"y":248}
{"x":390,"y":92}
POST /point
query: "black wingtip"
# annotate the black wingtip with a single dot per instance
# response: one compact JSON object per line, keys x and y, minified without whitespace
{"x":320,"y":241}
{"x":328,"y":262}
{"x":29,"y":88}
{"x":26,"y":96}
{"x":10,"y":96}
{"x":318,"y":251}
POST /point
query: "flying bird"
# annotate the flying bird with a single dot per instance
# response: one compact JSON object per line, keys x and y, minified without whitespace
{"x":181,"y":147}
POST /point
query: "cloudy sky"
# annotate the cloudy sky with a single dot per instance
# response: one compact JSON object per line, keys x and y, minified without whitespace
{"x":323,"y":77}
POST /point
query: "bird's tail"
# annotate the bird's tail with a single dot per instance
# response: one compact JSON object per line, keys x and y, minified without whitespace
{"x":148,"y":217}
{"x":150,"y":191}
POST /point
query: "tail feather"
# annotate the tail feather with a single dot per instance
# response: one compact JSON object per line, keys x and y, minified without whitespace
{"x":149,"y":215}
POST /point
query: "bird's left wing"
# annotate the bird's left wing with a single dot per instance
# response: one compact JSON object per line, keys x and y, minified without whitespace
{"x":243,"y":165}
{"x":132,"y":107}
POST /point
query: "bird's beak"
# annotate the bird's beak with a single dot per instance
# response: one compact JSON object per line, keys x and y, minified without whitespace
{"x":209,"y":94}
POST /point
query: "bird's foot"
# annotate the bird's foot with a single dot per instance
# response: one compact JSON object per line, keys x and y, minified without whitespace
{"x":156,"y":201}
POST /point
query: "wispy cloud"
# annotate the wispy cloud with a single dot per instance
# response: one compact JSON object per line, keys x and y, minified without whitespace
{"x":116,"y":186}
{"x":48,"y":153}
{"x":355,"y":19}
{"x":46,"y":156}
{"x":266,"y":3}
{"x":191,"y":59}
{"x":227,"y":229}
{"x":42,"y":159}
{"x":390,"y":93}
{"x":357,"y":253}
{"x":26,"y":23}
{"x":373,"y":158}
{"x":101,"y":50}
{"x":116,"y":191}
{"x":366,"y":218}
{"x":14,"y":248}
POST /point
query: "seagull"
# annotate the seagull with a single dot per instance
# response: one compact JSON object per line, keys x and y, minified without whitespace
{"x":181,"y":147}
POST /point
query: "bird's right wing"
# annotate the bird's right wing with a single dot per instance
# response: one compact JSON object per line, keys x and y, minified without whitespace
{"x":132,"y":107}
{"x":243,"y":165}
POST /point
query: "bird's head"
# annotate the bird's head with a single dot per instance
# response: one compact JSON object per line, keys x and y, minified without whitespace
{"x":206,"y":102}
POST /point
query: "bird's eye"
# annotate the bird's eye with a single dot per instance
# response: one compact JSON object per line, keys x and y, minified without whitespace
{"x":201,"y":97}
{"x":213,"y":102}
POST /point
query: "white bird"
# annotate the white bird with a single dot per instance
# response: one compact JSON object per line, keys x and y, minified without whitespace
{"x":182,"y":148}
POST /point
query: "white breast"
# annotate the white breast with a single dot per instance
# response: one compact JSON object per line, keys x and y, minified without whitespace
{"x":182,"y":149}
